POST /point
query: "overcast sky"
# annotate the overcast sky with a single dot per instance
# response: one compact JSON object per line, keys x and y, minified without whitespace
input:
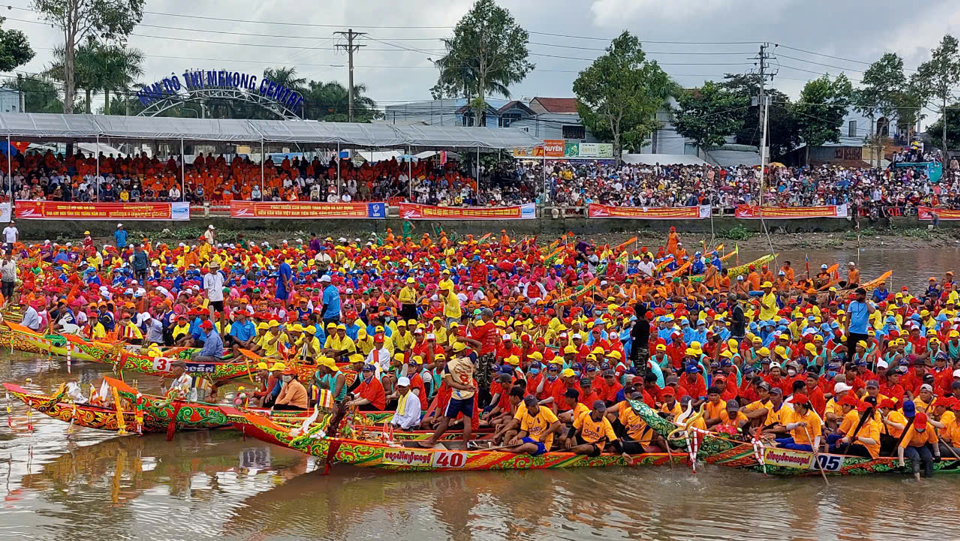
{"x":395,"y":67}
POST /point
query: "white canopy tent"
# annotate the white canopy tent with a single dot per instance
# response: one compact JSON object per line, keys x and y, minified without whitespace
{"x":46,"y":127}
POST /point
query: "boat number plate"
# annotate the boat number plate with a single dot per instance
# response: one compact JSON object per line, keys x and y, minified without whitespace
{"x":449,"y":459}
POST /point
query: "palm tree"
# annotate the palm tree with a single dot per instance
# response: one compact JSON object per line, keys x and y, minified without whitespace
{"x":121,"y":68}
{"x":100,"y":67}
{"x":85,"y":68}
{"x":330,"y":102}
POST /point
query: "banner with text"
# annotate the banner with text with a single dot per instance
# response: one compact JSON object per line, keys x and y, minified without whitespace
{"x":412,"y":211}
{"x":747,"y":212}
{"x":129,"y":212}
{"x":307,"y":210}
{"x":926,"y":214}
{"x":649,"y":213}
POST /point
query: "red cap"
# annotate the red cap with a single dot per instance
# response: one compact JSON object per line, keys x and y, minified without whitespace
{"x":920,"y":422}
{"x":887,"y":403}
{"x":206,"y":324}
{"x":849,"y":400}
{"x":800,"y":398}
{"x":667,"y":391}
{"x":378,"y":336}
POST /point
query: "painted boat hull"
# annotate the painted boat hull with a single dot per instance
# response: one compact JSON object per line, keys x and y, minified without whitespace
{"x":722,"y":451}
{"x":366,"y":454}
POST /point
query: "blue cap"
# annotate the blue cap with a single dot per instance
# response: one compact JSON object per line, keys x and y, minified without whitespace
{"x":691,"y":369}
{"x":369,"y":368}
{"x":535,"y":364}
{"x":909,"y":409}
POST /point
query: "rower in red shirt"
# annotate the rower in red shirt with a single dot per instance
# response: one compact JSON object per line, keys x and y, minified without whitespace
{"x":369,"y":395}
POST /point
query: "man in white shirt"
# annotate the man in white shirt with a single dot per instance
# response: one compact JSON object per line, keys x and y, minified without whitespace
{"x":646,"y":266}
{"x":175,"y":193}
{"x":210,"y":235}
{"x":213,"y":286}
{"x":408,"y":406}
{"x":11,"y":235}
{"x":379,"y":356}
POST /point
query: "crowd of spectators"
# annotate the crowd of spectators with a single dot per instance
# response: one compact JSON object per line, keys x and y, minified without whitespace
{"x":215,"y":180}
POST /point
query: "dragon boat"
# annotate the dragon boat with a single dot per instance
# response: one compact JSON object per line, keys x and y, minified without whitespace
{"x":723,"y":450}
{"x":744,"y":269}
{"x":393,"y":456}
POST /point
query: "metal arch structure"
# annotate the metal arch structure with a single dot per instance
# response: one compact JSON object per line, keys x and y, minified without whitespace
{"x":235,"y":94}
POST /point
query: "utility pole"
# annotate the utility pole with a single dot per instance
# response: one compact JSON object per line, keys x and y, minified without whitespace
{"x":763,"y":58}
{"x":20,"y":93}
{"x":351,"y":48}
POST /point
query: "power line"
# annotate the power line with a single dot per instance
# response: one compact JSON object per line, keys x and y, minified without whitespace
{"x":820,"y":63}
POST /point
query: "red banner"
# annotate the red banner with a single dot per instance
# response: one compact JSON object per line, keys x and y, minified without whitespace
{"x":412,"y":211}
{"x":307,"y":210}
{"x":949,"y":215}
{"x":553,"y":148}
{"x":747,"y":212}
{"x":129,"y":212}
{"x":648,"y":213}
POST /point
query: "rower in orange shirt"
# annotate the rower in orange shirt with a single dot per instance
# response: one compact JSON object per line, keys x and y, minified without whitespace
{"x":853,"y":275}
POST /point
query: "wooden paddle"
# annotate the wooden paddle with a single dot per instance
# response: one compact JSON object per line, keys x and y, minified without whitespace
{"x":819,"y":467}
{"x":863,"y":418}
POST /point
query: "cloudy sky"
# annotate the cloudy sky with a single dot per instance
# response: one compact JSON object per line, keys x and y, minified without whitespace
{"x":694,"y":40}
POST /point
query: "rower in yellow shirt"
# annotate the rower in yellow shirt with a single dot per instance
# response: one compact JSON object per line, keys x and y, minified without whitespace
{"x":538,"y":425}
{"x":591,"y":432}
{"x":768,"y":303}
{"x":804,"y":426}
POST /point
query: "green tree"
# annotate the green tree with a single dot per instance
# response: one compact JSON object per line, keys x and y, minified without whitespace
{"x":820,"y":110}
{"x":487,"y":53}
{"x":952,"y":128}
{"x":15,"y":50}
{"x":122,"y":66}
{"x":108,"y":20}
{"x":618,"y":96}
{"x":39,"y":94}
{"x":938,"y":77}
{"x":782,"y":135}
{"x":86,"y":69}
{"x":330,"y":102}
{"x":709,"y":114}
{"x":880,"y":94}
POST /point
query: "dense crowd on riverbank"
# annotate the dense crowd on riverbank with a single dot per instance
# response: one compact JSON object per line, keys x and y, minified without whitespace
{"x":217,"y":181}
{"x":529,"y":339}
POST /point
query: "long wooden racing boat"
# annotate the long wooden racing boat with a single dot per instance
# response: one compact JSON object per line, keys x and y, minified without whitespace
{"x":395,"y":457}
{"x":116,"y":354}
{"x":158,"y":412}
{"x":868,"y":286}
{"x":719,"y":449}
{"x":356,"y":425}
{"x":740,"y":270}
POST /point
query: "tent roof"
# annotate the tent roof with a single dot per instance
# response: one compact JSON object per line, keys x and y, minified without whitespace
{"x":49,"y":127}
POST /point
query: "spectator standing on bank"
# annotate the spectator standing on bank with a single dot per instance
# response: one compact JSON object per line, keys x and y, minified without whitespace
{"x":120,"y":237}
{"x":11,"y":235}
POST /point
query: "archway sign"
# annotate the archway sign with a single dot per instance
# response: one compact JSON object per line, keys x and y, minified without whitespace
{"x":199,"y":85}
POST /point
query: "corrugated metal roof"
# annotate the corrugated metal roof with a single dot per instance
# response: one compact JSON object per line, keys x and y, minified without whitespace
{"x":59,"y":127}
